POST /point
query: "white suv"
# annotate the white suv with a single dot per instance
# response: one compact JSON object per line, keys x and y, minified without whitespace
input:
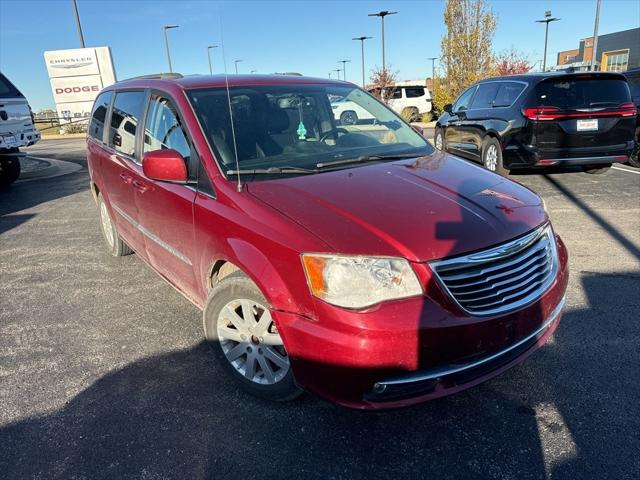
{"x":16,"y":130}
{"x":409,"y":100}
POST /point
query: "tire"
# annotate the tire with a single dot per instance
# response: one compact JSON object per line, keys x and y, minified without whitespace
{"x":9,"y":170}
{"x":634,"y":161}
{"x":598,"y":170}
{"x":115,"y":245}
{"x":438,"y":140}
{"x":492,"y":156}
{"x":234,"y":343}
{"x":348,"y":117}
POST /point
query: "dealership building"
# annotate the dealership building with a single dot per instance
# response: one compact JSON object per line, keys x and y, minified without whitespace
{"x":617,"y":52}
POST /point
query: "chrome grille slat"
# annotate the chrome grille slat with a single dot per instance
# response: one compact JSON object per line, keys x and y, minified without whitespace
{"x":502,"y":278}
{"x":515,"y":271}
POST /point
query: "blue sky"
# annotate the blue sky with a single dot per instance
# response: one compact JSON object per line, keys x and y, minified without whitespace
{"x":303,"y":36}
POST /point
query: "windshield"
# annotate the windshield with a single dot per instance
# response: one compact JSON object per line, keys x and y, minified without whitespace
{"x":301,"y":126}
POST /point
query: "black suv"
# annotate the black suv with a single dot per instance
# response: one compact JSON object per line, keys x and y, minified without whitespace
{"x":542,"y":119}
{"x":633,"y":77}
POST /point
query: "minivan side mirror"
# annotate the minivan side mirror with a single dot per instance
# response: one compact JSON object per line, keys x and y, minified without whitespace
{"x":448,"y":108}
{"x":165,"y":166}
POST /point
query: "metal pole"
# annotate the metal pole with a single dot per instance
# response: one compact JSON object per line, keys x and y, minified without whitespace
{"x":209,"y":57}
{"x":166,"y":46}
{"x":384,"y":63}
{"x":594,"y":50}
{"x":362,"y":58}
{"x":546,"y":37}
{"x":75,"y":11}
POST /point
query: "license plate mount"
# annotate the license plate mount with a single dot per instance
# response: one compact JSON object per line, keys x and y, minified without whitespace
{"x":587,"y":125}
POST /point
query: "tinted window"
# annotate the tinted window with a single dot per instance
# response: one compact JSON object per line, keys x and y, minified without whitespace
{"x":99,"y":114}
{"x":485,"y":95}
{"x":126,"y":113}
{"x":634,"y":86}
{"x":7,"y":89}
{"x":463,"y":101}
{"x":507,"y":94}
{"x":575,"y":93}
{"x":395,"y":93}
{"x":414,"y":92}
{"x":164,"y":129}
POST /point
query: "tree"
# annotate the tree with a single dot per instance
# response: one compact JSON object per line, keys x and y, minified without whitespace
{"x":382,"y":80}
{"x":511,"y":62}
{"x":466,"y":48}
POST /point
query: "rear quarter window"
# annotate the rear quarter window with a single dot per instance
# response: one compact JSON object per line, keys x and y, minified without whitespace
{"x":507,"y":94}
{"x":99,"y":115}
{"x":575,"y":93}
{"x":414,"y":92}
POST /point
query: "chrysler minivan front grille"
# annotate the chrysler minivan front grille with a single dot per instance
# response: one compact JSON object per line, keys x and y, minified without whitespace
{"x":503,"y":278}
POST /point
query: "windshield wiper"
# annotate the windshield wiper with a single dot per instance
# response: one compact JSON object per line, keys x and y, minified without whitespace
{"x":604,"y":104}
{"x":367,"y":158}
{"x":271,"y":171}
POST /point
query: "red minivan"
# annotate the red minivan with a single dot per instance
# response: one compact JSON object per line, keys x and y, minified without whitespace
{"x":352,"y":261}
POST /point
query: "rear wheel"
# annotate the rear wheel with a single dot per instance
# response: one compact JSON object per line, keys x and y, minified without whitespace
{"x":245,"y":339}
{"x":348,"y":118}
{"x":9,"y":168}
{"x":600,"y":169}
{"x":634,"y":161}
{"x":492,"y":156}
{"x":115,"y":245}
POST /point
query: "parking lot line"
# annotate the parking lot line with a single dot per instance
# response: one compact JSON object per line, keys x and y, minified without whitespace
{"x":622,"y":169}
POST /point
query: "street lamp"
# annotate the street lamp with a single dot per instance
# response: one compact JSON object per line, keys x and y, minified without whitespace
{"x":236,"y":63}
{"x":433,"y":72}
{"x":547,"y":20}
{"x":75,"y":11}
{"x":337,"y":70}
{"x":382,"y":14}
{"x":594,"y":48}
{"x":344,"y":68}
{"x":166,"y":43}
{"x":362,"y":39}
{"x":209,"y":57}
{"x":253,"y":71}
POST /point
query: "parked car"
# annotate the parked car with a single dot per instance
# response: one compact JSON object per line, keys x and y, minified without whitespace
{"x":541,"y":120}
{"x":412,"y":101}
{"x":369,"y":269}
{"x":16,"y":130}
{"x":349,"y":113}
{"x":633,"y":78}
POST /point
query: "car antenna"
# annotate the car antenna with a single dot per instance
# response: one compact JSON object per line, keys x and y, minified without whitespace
{"x":226,"y":80}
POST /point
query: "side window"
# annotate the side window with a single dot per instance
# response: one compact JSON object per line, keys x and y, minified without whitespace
{"x":414,"y":92}
{"x":394,"y":93}
{"x":485,"y":95}
{"x":507,"y":94}
{"x":463,"y":100}
{"x":164,"y":129}
{"x":99,"y":115}
{"x":126,"y":113}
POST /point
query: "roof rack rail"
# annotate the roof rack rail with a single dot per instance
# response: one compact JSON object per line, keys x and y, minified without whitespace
{"x":158,"y":76}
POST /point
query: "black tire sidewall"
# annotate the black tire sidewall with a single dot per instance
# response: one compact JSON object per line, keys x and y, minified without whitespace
{"x":9,"y":170}
{"x":238,"y":285}
{"x":119,"y":248}
{"x":348,"y":114}
{"x":439,"y":131}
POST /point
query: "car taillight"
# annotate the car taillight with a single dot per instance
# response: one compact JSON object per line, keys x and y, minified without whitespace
{"x":554,"y":113}
{"x":542,"y":113}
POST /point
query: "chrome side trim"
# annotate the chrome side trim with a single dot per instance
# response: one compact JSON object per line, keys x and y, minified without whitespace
{"x":450,"y":370}
{"x":152,"y":236}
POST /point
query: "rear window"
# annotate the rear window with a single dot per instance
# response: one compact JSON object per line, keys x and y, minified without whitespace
{"x":99,"y":114}
{"x":576,"y":93}
{"x":414,"y":92}
{"x":7,"y":89}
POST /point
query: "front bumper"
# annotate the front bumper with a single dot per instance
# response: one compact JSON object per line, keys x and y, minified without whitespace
{"x":409,"y":351}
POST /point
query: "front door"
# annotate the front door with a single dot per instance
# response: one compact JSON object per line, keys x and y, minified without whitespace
{"x":453,"y":132}
{"x":166,"y":209}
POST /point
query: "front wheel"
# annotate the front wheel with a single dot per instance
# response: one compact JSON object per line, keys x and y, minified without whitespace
{"x":245,"y":339}
{"x":9,"y":170}
{"x":348,"y":118}
{"x":492,"y":156}
{"x":634,"y":161}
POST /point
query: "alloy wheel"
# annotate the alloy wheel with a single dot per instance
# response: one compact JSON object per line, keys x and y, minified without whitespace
{"x":491,"y":158}
{"x":107,"y":227}
{"x":438,"y":141}
{"x":251,"y":343}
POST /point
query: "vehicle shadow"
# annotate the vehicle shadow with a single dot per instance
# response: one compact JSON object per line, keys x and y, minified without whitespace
{"x":177,"y":415}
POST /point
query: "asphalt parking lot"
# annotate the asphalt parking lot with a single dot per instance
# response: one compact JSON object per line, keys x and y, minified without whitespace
{"x":104,"y":374}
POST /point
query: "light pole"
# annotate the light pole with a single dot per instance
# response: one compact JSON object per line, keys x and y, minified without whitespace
{"x":209,"y":57}
{"x":594,"y":49}
{"x":253,"y":71}
{"x":337,"y":70}
{"x":236,"y":63}
{"x":362,"y":39}
{"x":75,"y":11}
{"x":166,"y":43}
{"x":329,"y":74}
{"x":382,"y":14}
{"x":547,"y":20}
{"x":344,"y":68}
{"x":433,"y":73}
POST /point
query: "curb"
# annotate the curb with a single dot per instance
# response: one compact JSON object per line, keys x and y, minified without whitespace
{"x":63,"y":136}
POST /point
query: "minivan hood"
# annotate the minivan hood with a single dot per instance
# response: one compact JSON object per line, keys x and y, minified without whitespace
{"x":421,"y":209}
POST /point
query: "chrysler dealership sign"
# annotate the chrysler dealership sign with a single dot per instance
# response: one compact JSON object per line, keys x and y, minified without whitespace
{"x":76,"y":77}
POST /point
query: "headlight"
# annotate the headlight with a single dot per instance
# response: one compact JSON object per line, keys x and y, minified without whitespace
{"x":357,"y":282}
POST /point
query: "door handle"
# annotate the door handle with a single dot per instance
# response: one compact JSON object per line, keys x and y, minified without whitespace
{"x":140,"y":186}
{"x":126,"y":177}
